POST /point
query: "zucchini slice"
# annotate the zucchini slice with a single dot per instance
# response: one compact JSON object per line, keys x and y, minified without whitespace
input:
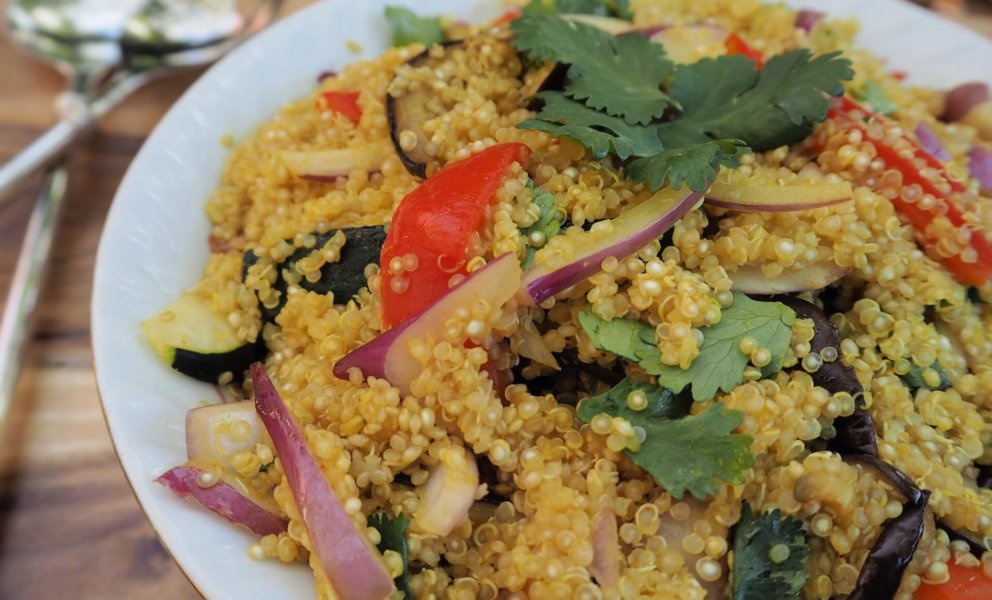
{"x":196,"y":341}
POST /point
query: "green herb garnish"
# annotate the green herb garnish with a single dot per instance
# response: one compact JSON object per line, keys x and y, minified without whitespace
{"x":392,"y":536}
{"x":914,"y":379}
{"x":771,"y":556}
{"x":613,"y":102}
{"x":875,"y":97}
{"x":720,"y":364}
{"x":547,"y":224}
{"x":619,"y":9}
{"x":409,"y":28}
{"x":682,"y":452}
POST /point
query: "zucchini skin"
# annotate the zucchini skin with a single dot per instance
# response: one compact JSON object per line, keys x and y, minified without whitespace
{"x":209,"y":367}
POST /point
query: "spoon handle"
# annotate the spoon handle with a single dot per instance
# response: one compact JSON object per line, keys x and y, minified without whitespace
{"x":39,"y":154}
{"x":28,"y":276}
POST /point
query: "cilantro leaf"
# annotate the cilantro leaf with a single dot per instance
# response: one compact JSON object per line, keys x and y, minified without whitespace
{"x":392,"y":536}
{"x":601,"y":8}
{"x":620,"y":75}
{"x":875,"y":97}
{"x":547,"y":224}
{"x":694,"y":165}
{"x":914,"y":379}
{"x":595,"y":130}
{"x":410,"y":28}
{"x":725,"y":97}
{"x":682,"y":452}
{"x":720,"y":364}
{"x":757,"y":575}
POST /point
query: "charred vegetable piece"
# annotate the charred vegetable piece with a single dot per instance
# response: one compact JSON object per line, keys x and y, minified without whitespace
{"x":407,"y":113}
{"x":770,"y":557}
{"x":354,"y":568}
{"x":221,"y":498}
{"x":197,"y":341}
{"x":882,"y":571}
{"x":344,"y":278}
{"x":855,"y":433}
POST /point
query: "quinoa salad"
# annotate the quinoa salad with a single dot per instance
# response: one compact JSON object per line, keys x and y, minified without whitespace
{"x":683,"y":299}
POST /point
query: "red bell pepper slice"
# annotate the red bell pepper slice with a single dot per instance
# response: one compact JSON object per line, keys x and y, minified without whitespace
{"x":511,"y":15}
{"x":948,"y":192}
{"x":343,"y":103}
{"x":735,"y":44}
{"x":965,"y":583}
{"x":431,"y":227}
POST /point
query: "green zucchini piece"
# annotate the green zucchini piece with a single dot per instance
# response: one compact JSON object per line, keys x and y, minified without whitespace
{"x":344,"y":278}
{"x":196,"y":341}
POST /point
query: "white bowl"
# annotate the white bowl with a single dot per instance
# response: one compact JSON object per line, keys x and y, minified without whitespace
{"x":155,"y":241}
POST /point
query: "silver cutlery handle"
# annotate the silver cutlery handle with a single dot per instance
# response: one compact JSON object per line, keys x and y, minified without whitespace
{"x":24,"y":285}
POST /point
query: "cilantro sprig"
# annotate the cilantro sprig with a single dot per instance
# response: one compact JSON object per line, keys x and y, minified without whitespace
{"x":410,"y":28}
{"x":682,"y":452}
{"x":875,"y":97}
{"x":547,"y":224}
{"x":619,"y":9}
{"x":720,"y":364}
{"x":675,"y":124}
{"x":392,"y":536}
{"x":771,"y":557}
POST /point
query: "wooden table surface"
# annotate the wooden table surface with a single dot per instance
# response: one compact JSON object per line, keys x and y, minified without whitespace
{"x":69,"y":524}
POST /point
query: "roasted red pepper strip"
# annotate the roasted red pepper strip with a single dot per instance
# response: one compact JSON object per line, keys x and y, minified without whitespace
{"x":940,"y":194}
{"x":965,"y":583}
{"x":430,"y":230}
{"x":343,"y":103}
{"x":735,"y":44}
{"x":510,"y":15}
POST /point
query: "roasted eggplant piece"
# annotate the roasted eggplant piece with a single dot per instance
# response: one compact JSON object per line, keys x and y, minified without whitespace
{"x":409,"y":112}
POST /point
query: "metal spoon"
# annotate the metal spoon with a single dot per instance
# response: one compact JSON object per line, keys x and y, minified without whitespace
{"x":105,"y":59}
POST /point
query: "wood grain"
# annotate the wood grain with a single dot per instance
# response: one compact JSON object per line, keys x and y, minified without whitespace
{"x":69,"y":524}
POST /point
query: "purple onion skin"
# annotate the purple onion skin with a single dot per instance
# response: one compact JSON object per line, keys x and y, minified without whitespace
{"x":326,"y":74}
{"x":928,"y":139}
{"x":223,"y":500}
{"x":549,"y":284}
{"x":371,"y":357}
{"x":980,"y":167}
{"x":344,"y":554}
{"x":807,"y":19}
{"x":962,"y":99}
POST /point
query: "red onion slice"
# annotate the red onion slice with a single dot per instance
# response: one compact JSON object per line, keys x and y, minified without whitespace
{"x":449,"y":492}
{"x":751,"y":280}
{"x":980,"y":167}
{"x":389,"y":357}
{"x":928,"y":140}
{"x":806,"y":19}
{"x":960,"y":100}
{"x":758,"y":197}
{"x":327,"y":165}
{"x":222,"y":499}
{"x":353,"y":567}
{"x":216,"y":432}
{"x":619,"y":238}
{"x":606,"y":557}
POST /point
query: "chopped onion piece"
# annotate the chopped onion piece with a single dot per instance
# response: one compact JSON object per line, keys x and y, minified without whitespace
{"x":221,"y":498}
{"x":606,"y":557}
{"x":980,"y":167}
{"x":449,"y":492}
{"x":928,"y":140}
{"x":216,"y":432}
{"x":751,"y":280}
{"x":962,"y":99}
{"x":803,"y":194}
{"x":389,"y":356}
{"x":806,"y":19}
{"x":326,"y":165}
{"x":352,"y":565}
{"x":581,"y":254}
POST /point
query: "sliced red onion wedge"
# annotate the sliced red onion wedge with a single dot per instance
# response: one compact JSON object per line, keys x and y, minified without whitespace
{"x":980,"y":167}
{"x":353,"y":567}
{"x":449,"y":492}
{"x":570,"y":258}
{"x":216,"y":432}
{"x":963,"y":98}
{"x":221,"y":498}
{"x":806,"y":19}
{"x":760,"y":197}
{"x":327,"y":165}
{"x":751,"y":280}
{"x":389,"y":357}
{"x":606,"y":557}
{"x":928,"y":139}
